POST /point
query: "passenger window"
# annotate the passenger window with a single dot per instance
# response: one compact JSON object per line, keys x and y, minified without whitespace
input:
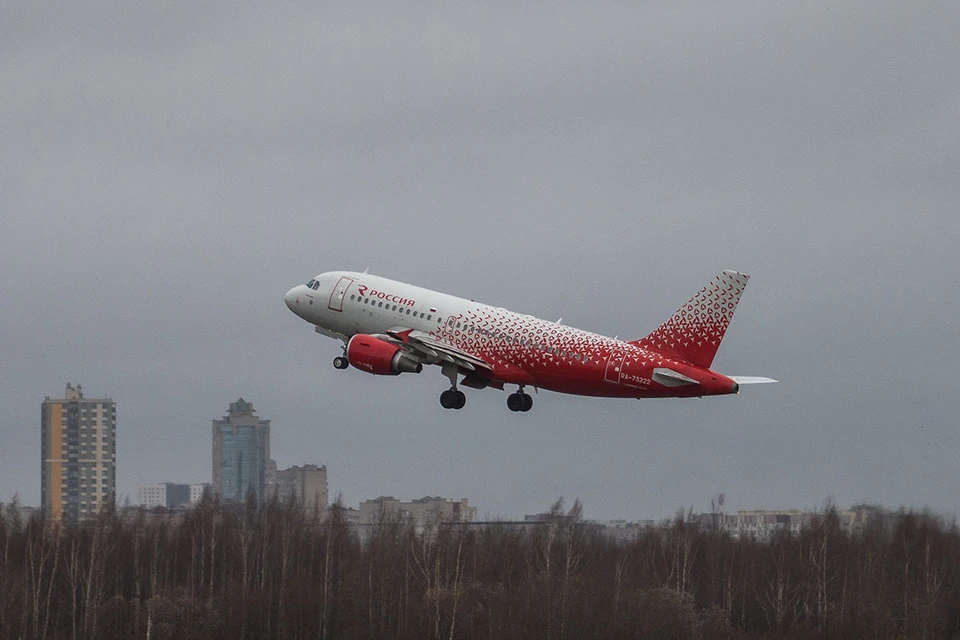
{"x":351,"y":296}
{"x":380,"y":305}
{"x":408,"y":312}
{"x":366,"y":300}
{"x":428,"y":317}
{"x":458,"y":325}
{"x":395,"y":308}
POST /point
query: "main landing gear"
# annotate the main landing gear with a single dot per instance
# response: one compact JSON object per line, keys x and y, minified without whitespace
{"x":453,"y":399}
{"x":519,"y":401}
{"x":341,"y":362}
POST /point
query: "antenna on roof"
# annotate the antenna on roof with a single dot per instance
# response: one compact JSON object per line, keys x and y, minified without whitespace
{"x":560,"y":320}
{"x":367,"y":269}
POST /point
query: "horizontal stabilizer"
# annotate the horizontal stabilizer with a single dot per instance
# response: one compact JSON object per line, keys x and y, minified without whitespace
{"x":751,"y":379}
{"x":670,"y":378}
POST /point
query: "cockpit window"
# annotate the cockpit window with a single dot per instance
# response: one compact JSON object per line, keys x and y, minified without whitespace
{"x":316,"y":285}
{"x":311,"y":283}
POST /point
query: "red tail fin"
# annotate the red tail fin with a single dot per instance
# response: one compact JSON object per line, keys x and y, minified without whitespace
{"x":694,"y":332}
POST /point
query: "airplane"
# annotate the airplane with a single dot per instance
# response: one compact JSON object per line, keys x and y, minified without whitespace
{"x":389,"y":327}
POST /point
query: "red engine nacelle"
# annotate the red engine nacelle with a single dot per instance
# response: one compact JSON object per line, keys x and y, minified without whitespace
{"x":380,"y":357}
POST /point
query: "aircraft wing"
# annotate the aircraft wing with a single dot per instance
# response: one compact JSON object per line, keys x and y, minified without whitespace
{"x":436,"y":351}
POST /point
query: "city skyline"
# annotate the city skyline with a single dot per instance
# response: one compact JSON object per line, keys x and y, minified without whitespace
{"x":244,"y":408}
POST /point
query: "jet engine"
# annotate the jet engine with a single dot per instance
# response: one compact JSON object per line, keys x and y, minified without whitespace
{"x":380,"y":357}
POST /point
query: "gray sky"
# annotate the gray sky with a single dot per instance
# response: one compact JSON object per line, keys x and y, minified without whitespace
{"x":169,"y":170}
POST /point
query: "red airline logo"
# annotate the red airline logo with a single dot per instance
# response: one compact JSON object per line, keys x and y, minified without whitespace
{"x":389,"y":297}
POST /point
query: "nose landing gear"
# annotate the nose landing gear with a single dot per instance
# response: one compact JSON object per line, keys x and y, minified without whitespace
{"x":519,"y":401}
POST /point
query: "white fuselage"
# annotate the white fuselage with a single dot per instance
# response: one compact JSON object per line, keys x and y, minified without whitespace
{"x":390,"y":327}
{"x":519,"y":348}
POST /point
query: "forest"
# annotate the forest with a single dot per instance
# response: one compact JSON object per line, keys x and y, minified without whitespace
{"x":273,"y":571}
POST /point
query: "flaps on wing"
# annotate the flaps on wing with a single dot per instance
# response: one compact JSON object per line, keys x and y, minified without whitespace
{"x":400,"y":333}
{"x":670,"y":378}
{"x":476,"y":380}
{"x":331,"y":334}
{"x":434,"y":351}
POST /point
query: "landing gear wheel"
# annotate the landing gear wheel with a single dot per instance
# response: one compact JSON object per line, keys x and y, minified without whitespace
{"x":519,"y":401}
{"x":340,"y":362}
{"x":453,"y":399}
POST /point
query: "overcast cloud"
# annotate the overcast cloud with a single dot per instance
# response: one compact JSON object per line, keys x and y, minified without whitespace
{"x":169,"y":170}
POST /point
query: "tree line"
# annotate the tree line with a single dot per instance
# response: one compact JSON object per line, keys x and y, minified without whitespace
{"x":276,"y":571}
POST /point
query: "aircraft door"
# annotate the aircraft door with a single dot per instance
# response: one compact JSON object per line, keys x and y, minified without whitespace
{"x":614,"y":367}
{"x":338,"y":293}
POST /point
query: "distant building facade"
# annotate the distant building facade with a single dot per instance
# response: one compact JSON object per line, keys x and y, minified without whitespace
{"x":11,"y":512}
{"x":306,"y":485}
{"x":170,"y":494}
{"x":78,"y":451}
{"x":197,"y":491}
{"x":763,"y":524}
{"x":624,"y":531}
{"x":163,"y":494}
{"x":241,"y":454}
{"x":421,"y":512}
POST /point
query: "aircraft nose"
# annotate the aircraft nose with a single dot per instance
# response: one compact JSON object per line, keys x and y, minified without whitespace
{"x":291,"y":299}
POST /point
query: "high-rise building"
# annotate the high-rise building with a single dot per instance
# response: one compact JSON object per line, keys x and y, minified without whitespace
{"x":306,"y":485}
{"x":78,"y":449}
{"x":241,"y":452}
